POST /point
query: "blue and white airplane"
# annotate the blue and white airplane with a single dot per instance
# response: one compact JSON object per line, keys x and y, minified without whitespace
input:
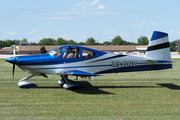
{"x":85,"y":62}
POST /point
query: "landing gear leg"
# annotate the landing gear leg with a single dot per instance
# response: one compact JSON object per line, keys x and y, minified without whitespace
{"x":24,"y":84}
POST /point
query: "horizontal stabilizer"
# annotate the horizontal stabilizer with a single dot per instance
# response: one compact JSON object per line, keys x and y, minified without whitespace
{"x":164,"y":61}
{"x":79,"y":73}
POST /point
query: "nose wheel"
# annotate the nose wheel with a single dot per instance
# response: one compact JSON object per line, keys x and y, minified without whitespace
{"x":24,"y":84}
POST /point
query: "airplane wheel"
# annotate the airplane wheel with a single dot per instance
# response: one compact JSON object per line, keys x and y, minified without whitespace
{"x":73,"y":85}
{"x":25,"y":84}
{"x":61,"y":82}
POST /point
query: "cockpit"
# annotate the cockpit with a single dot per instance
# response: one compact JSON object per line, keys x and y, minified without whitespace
{"x":72,"y":52}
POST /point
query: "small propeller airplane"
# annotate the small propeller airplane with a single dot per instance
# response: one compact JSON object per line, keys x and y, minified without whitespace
{"x":86,"y":62}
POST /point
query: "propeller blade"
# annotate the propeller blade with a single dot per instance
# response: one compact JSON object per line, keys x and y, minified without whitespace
{"x":13,"y":70}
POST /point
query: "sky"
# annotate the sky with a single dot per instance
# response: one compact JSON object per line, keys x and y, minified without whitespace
{"x":82,"y":19}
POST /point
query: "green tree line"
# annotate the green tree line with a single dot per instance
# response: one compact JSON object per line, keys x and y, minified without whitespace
{"x":143,"y":40}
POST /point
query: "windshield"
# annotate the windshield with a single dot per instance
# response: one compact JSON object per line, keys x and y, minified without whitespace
{"x":56,"y":51}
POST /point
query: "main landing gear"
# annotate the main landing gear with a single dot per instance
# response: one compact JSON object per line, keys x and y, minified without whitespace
{"x":69,"y":84}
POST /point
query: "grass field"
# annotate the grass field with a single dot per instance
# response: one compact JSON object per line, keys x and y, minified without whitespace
{"x":133,"y":95}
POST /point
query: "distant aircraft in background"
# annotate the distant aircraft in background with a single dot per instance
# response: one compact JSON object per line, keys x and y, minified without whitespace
{"x":85,"y":62}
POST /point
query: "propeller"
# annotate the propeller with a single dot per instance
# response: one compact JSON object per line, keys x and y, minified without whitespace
{"x":14,"y":55}
{"x":13,"y":70}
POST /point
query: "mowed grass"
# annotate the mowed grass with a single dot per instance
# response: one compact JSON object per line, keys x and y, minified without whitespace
{"x":132,"y":95}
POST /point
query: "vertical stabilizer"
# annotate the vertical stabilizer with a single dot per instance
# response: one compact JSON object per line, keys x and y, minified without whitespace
{"x":158,"y":48}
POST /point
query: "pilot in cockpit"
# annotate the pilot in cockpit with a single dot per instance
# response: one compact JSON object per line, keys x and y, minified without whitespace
{"x":69,"y":53}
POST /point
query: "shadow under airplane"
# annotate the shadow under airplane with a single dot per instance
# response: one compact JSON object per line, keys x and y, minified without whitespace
{"x":170,"y":86}
{"x":89,"y":89}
